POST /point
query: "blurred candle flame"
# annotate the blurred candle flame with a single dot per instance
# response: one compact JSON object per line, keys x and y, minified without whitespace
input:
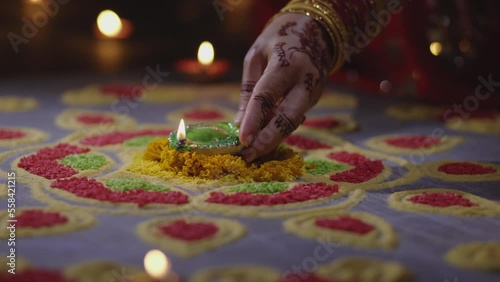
{"x":109,"y":23}
{"x":157,"y":264}
{"x":181,"y":131}
{"x":206,"y":53}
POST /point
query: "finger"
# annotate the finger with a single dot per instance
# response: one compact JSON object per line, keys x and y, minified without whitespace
{"x":268,"y":92}
{"x":289,"y":115}
{"x":253,"y":67}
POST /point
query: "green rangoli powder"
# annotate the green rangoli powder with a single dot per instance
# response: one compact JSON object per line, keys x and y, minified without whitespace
{"x":141,"y":141}
{"x":261,"y":188}
{"x":320,"y":167}
{"x":128,"y":184}
{"x":84,"y":161}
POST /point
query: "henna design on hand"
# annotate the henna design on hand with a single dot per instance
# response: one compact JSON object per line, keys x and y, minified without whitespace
{"x":280,"y":52}
{"x":266,"y":106}
{"x":248,"y":86}
{"x":310,"y":85}
{"x":283,"y":29}
{"x":310,"y":37}
{"x":285,"y":125}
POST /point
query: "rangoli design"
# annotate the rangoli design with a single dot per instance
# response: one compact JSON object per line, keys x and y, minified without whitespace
{"x":412,"y":144}
{"x":95,"y":95}
{"x":335,"y":100}
{"x":443,"y":201}
{"x":190,"y":235}
{"x":36,"y":221}
{"x":462,"y":171}
{"x":476,"y":256}
{"x":17,"y":136}
{"x":9,"y":104}
{"x":483,"y":123}
{"x":409,"y":112}
{"x":252,"y":199}
{"x":62,"y":161}
{"x":239,"y":273}
{"x":200,"y":114}
{"x":4,"y":191}
{"x":86,"y":119}
{"x":357,"y":229}
{"x":363,"y":269}
{"x":331,"y":123}
{"x":121,"y":191}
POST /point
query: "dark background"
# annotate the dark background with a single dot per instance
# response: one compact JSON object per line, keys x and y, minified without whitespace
{"x":164,"y":32}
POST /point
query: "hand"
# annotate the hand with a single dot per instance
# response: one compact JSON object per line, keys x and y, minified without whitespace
{"x":283,"y":77}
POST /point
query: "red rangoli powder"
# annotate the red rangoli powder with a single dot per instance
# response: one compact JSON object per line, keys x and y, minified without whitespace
{"x":34,"y":275}
{"x":345,"y":223}
{"x":203,"y":114}
{"x":364,"y":168}
{"x":44,"y":162}
{"x":38,"y":219}
{"x":125,"y":91}
{"x":305,"y":143}
{"x":465,"y":168}
{"x":442,"y":200}
{"x":413,"y":142}
{"x":94,"y":119}
{"x":119,"y":137}
{"x":180,"y":229}
{"x":299,"y":193}
{"x":325,"y":122}
{"x":92,"y":189}
{"x":11,"y":134}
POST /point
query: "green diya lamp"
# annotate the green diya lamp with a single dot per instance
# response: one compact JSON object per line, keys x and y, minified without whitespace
{"x":207,"y":138}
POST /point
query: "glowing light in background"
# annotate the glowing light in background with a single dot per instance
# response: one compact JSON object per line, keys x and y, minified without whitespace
{"x":157,"y":265}
{"x":436,"y":48}
{"x":206,"y":53}
{"x":109,"y":23}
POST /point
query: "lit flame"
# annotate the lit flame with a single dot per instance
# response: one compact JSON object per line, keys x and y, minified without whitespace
{"x":436,"y":48}
{"x":181,"y":131}
{"x":206,"y":53}
{"x":109,"y":23}
{"x":157,"y":265}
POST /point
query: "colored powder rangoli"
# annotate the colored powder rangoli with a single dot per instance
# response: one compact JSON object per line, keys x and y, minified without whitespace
{"x":194,"y":231}
{"x":121,"y":136}
{"x":122,"y":90}
{"x":305,"y":143}
{"x":11,"y":134}
{"x":92,"y":119}
{"x":92,"y":189}
{"x":320,"y":167}
{"x":345,"y":223}
{"x":38,"y":219}
{"x":465,"y":168}
{"x":309,"y":277}
{"x":44,"y":162}
{"x":413,"y":142}
{"x":203,"y":114}
{"x":297,"y":194}
{"x":84,"y":161}
{"x":128,"y":184}
{"x":260,"y":188}
{"x":364,"y":168}
{"x":325,"y":122}
{"x":442,"y":200}
{"x":141,"y":141}
{"x":160,"y":158}
{"x":34,"y":275}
